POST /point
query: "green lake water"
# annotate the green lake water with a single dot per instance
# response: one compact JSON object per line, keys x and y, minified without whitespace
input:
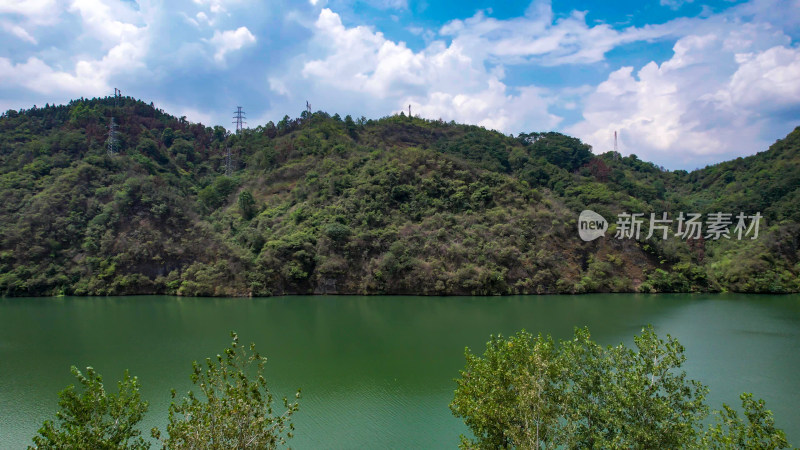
{"x":376,"y":372}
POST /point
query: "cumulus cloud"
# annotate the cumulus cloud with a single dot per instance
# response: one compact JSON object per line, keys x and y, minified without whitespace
{"x":769,"y":80}
{"x":460,"y":75}
{"x":721,"y":95}
{"x":727,"y":88}
{"x":37,"y":12}
{"x":214,"y":6}
{"x":674,"y":4}
{"x":27,"y":15}
{"x":17,"y":31}
{"x":389,"y":4}
{"x":230,"y":40}
{"x":101,"y":23}
{"x":441,"y":81}
{"x":539,"y":38}
{"x":37,"y":76}
{"x":123,"y":46}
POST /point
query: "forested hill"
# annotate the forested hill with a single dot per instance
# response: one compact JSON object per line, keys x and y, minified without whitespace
{"x":322,"y":204}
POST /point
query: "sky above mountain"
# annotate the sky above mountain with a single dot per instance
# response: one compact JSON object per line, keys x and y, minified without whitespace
{"x":684,"y":83}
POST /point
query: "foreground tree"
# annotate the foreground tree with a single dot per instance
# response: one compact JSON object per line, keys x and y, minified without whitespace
{"x":247,"y":205}
{"x":623,"y":397}
{"x":508,"y":397}
{"x":527,"y":392}
{"x":94,"y":418}
{"x":759,"y":431}
{"x":234,"y":410}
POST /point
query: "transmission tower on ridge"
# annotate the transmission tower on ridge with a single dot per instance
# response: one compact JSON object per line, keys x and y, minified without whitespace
{"x":615,"y":141}
{"x":239,"y":116}
{"x":111,"y":143}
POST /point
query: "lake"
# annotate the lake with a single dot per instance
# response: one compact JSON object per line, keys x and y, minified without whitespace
{"x":376,"y":372}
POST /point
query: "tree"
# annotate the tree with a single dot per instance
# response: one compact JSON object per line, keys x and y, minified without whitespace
{"x":730,"y":431}
{"x":168,"y":136}
{"x":350,"y":127}
{"x":234,"y":409}
{"x":150,"y":149}
{"x":563,"y":151}
{"x":528,"y":392}
{"x":81,"y":114}
{"x":337,"y":232}
{"x":216,"y":193}
{"x":507,"y":397}
{"x":284,"y":125}
{"x":644,"y":400}
{"x":270,"y":130}
{"x":95,"y":419}
{"x":247,"y":205}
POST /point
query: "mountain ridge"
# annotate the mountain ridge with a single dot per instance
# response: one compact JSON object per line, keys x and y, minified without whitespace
{"x":398,"y":205}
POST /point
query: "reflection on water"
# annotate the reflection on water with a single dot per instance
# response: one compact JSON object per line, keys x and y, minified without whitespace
{"x":375,"y":371}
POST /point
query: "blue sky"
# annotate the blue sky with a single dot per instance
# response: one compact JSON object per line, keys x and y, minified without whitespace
{"x":685,"y":83}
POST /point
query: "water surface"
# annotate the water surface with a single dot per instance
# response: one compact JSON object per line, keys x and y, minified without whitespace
{"x":376,"y":372}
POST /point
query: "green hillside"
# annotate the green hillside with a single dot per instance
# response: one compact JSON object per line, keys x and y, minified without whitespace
{"x":321,"y":204}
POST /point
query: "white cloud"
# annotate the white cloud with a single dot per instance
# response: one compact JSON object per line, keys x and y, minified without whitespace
{"x":193,"y":115}
{"x":723,"y":94}
{"x":539,"y":38}
{"x":230,"y":40}
{"x":728,"y":88}
{"x":215,"y":6}
{"x":462,"y":79}
{"x":27,"y":15}
{"x":766,"y":80}
{"x":123,"y":46}
{"x":38,"y":12}
{"x":17,"y":31}
{"x":492,"y":107}
{"x":674,"y":4}
{"x":37,"y":76}
{"x":200,"y":19}
{"x":278,"y":86}
{"x":441,"y":81}
{"x":110,"y":28}
{"x":389,"y":4}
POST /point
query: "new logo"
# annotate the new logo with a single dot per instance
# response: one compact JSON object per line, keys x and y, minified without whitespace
{"x":591,"y":225}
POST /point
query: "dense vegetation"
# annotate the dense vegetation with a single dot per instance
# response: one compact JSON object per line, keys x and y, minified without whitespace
{"x":321,"y":204}
{"x":234,"y":409}
{"x":528,"y":392}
